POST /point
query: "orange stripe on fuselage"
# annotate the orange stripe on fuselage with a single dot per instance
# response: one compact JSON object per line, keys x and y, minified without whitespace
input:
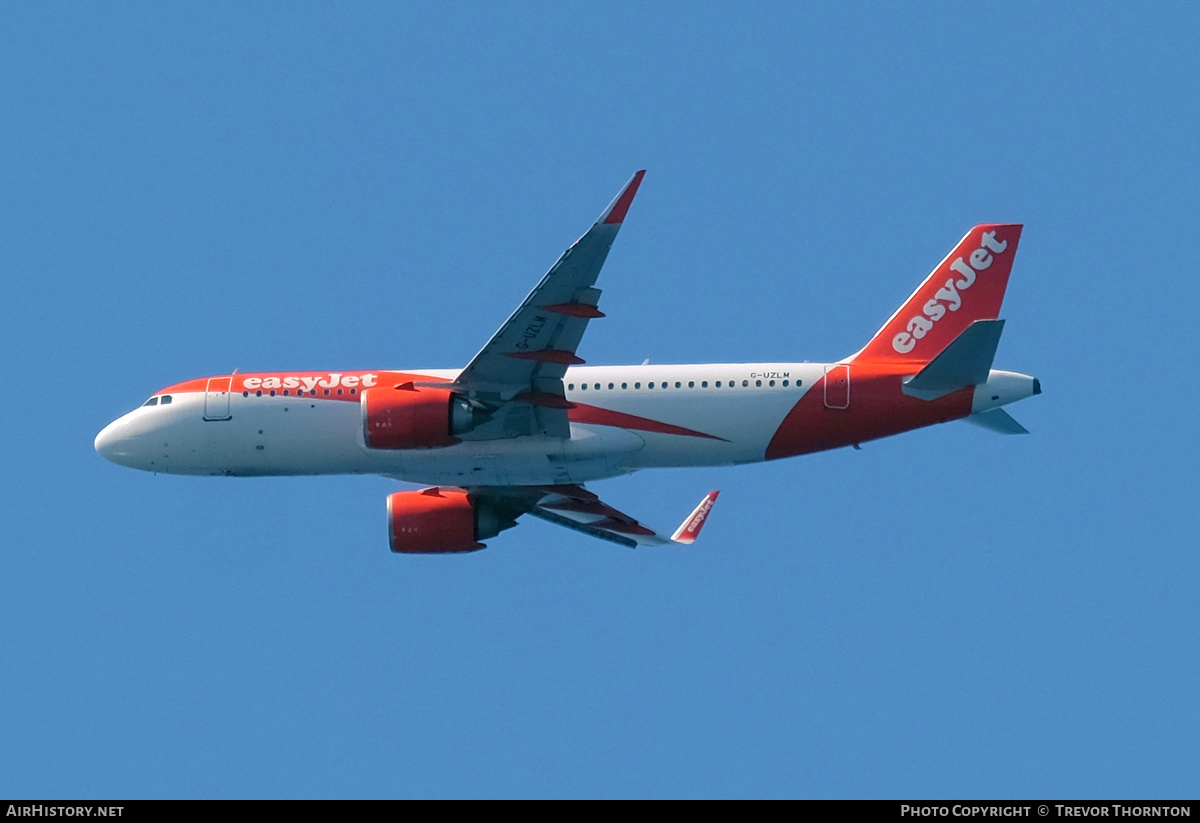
{"x":329,"y":385}
{"x":583,"y":413}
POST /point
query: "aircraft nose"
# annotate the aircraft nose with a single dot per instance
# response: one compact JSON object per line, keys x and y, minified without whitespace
{"x":106,"y":441}
{"x":118,"y":442}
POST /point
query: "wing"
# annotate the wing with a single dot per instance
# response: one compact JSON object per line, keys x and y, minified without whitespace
{"x":577,"y":508}
{"x":516,"y":379}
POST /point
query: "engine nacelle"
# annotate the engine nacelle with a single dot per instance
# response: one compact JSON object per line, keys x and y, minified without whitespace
{"x":406,"y":417}
{"x":438,"y":520}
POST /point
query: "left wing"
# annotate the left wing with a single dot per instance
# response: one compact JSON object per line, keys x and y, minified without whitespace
{"x":516,"y":379}
{"x":577,"y":508}
{"x":443,"y":519}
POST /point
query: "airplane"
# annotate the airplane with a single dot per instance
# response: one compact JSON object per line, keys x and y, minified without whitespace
{"x":525,"y":426}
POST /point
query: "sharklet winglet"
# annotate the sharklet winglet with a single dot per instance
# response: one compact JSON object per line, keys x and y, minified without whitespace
{"x":617,"y":211}
{"x":689,"y":529}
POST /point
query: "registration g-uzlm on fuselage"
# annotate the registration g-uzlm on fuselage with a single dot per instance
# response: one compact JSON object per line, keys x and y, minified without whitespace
{"x":525,"y":425}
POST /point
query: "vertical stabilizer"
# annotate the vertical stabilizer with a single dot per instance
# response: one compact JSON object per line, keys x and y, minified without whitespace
{"x":967,"y":286}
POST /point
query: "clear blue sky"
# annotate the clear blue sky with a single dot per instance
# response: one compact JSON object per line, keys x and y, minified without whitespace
{"x":193,"y":188}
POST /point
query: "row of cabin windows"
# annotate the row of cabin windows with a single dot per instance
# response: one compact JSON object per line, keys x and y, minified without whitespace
{"x":299,"y":392}
{"x":679,"y":384}
{"x":166,"y":398}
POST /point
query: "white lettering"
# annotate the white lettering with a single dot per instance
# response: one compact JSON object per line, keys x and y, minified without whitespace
{"x":980,"y":260}
{"x":948,"y":296}
{"x":700,"y":515}
{"x":919,"y":326}
{"x":989,"y":240}
{"x":903,"y":342}
{"x":310,"y":383}
{"x":934,"y":310}
{"x":966,"y":271}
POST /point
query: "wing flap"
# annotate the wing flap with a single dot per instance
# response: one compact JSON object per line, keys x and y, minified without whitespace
{"x":577,"y":508}
{"x":559,"y":520}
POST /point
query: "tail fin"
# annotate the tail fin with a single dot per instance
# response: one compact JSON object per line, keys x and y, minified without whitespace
{"x":967,"y":286}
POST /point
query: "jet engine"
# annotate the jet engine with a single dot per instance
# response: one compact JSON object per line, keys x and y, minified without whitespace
{"x":407,"y":417}
{"x":443,"y":520}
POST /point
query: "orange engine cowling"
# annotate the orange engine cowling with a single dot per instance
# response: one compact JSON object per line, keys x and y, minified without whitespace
{"x":437,"y":521}
{"x":406,"y":417}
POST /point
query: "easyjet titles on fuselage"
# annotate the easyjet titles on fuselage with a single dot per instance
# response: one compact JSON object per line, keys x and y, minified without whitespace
{"x":309,"y":383}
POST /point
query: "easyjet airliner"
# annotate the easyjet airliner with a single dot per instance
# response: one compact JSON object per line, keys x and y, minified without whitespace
{"x":525,"y":425}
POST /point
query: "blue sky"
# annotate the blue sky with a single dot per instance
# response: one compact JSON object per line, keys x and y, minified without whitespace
{"x":949,"y":613}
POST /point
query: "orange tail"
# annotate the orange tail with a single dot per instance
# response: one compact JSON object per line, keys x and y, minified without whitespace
{"x":967,"y":286}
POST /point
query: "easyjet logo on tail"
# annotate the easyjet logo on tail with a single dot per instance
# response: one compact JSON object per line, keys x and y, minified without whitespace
{"x":949,"y":297}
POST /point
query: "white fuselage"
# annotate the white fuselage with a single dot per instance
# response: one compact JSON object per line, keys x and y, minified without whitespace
{"x":625,"y":418}
{"x":730,"y":412}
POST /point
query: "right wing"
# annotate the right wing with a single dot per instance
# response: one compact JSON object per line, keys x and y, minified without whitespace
{"x":516,"y":378}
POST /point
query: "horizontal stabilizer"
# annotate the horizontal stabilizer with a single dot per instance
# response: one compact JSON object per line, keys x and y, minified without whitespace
{"x":965,"y":362}
{"x":998,"y":420}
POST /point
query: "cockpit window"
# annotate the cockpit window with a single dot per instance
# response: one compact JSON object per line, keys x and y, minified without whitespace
{"x":166,"y":398}
{"x":153,"y":401}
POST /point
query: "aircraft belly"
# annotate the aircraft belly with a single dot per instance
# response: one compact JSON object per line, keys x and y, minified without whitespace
{"x":592,"y":453}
